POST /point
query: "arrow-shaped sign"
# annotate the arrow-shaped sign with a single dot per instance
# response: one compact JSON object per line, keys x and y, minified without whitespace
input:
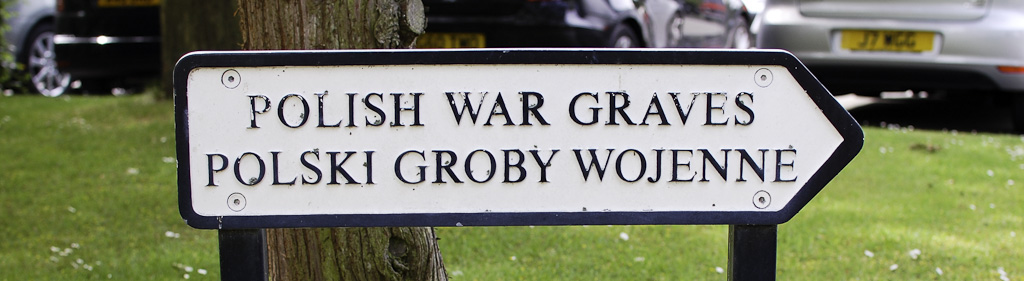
{"x":503,"y":137}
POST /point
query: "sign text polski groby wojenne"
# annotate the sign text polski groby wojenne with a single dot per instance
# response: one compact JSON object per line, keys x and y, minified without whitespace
{"x":502,"y":137}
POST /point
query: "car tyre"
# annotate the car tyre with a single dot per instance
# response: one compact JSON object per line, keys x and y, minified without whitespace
{"x":1017,"y":101}
{"x":623,"y":37}
{"x":675,"y":30}
{"x":741,"y":38}
{"x":41,"y":64}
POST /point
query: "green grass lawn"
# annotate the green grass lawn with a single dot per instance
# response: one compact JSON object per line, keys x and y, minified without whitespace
{"x":88,"y":192}
{"x":84,"y":181}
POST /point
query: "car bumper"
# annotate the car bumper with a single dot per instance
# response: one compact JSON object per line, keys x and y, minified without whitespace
{"x":968,"y":56}
{"x":499,"y":36}
{"x":108,"y":57}
{"x":540,"y":24}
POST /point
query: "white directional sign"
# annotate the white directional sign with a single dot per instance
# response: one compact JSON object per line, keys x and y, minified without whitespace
{"x":503,"y":137}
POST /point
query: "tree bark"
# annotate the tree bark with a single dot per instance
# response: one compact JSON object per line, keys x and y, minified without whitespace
{"x":330,"y":24}
{"x":354,"y":254}
{"x":342,"y":253}
{"x":192,"y":25}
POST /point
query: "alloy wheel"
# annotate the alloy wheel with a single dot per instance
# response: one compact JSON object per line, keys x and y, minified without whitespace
{"x":42,"y":67}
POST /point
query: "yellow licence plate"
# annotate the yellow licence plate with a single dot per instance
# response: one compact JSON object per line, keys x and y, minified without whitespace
{"x":888,"y":40}
{"x":451,"y":40}
{"x":127,"y":3}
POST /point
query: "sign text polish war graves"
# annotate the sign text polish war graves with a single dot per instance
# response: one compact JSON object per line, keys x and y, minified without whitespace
{"x":275,"y":139}
{"x":503,"y":137}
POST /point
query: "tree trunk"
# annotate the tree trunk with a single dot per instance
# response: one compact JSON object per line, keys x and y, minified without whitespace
{"x":192,"y":25}
{"x":330,"y":24}
{"x":342,"y":253}
{"x":354,"y":254}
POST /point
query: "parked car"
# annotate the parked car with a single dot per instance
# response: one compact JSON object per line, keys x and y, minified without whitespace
{"x":938,"y":46}
{"x":107,"y":43}
{"x":584,"y":23}
{"x":699,"y":23}
{"x":524,"y":23}
{"x":31,"y":39}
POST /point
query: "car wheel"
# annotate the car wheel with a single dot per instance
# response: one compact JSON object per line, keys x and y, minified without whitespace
{"x":623,"y":37}
{"x":675,"y":30}
{"x":741,"y":37}
{"x":41,"y":63}
{"x":1017,"y":100}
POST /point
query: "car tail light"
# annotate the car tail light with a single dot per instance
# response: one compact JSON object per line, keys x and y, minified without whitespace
{"x":1011,"y":69}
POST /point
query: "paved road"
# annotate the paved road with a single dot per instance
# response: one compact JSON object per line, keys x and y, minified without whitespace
{"x":965,"y":115}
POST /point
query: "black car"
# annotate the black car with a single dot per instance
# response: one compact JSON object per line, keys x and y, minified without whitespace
{"x":532,"y":23}
{"x":585,"y":23}
{"x":108,"y":41}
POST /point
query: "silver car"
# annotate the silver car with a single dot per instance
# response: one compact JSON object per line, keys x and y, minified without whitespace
{"x":31,"y":39}
{"x":938,"y":46}
{"x":698,"y":24}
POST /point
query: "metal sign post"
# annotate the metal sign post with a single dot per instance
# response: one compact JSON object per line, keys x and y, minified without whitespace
{"x":489,"y":137}
{"x":243,"y":254}
{"x":752,"y":252}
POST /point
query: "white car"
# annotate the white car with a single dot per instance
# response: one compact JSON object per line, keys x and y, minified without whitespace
{"x":936,"y":46}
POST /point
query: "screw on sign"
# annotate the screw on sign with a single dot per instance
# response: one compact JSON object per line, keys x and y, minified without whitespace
{"x":231,"y":79}
{"x":762,"y":199}
{"x":236,"y":202}
{"x":763,"y":77}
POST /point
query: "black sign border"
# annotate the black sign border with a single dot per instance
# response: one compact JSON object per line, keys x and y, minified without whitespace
{"x":853,"y":135}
